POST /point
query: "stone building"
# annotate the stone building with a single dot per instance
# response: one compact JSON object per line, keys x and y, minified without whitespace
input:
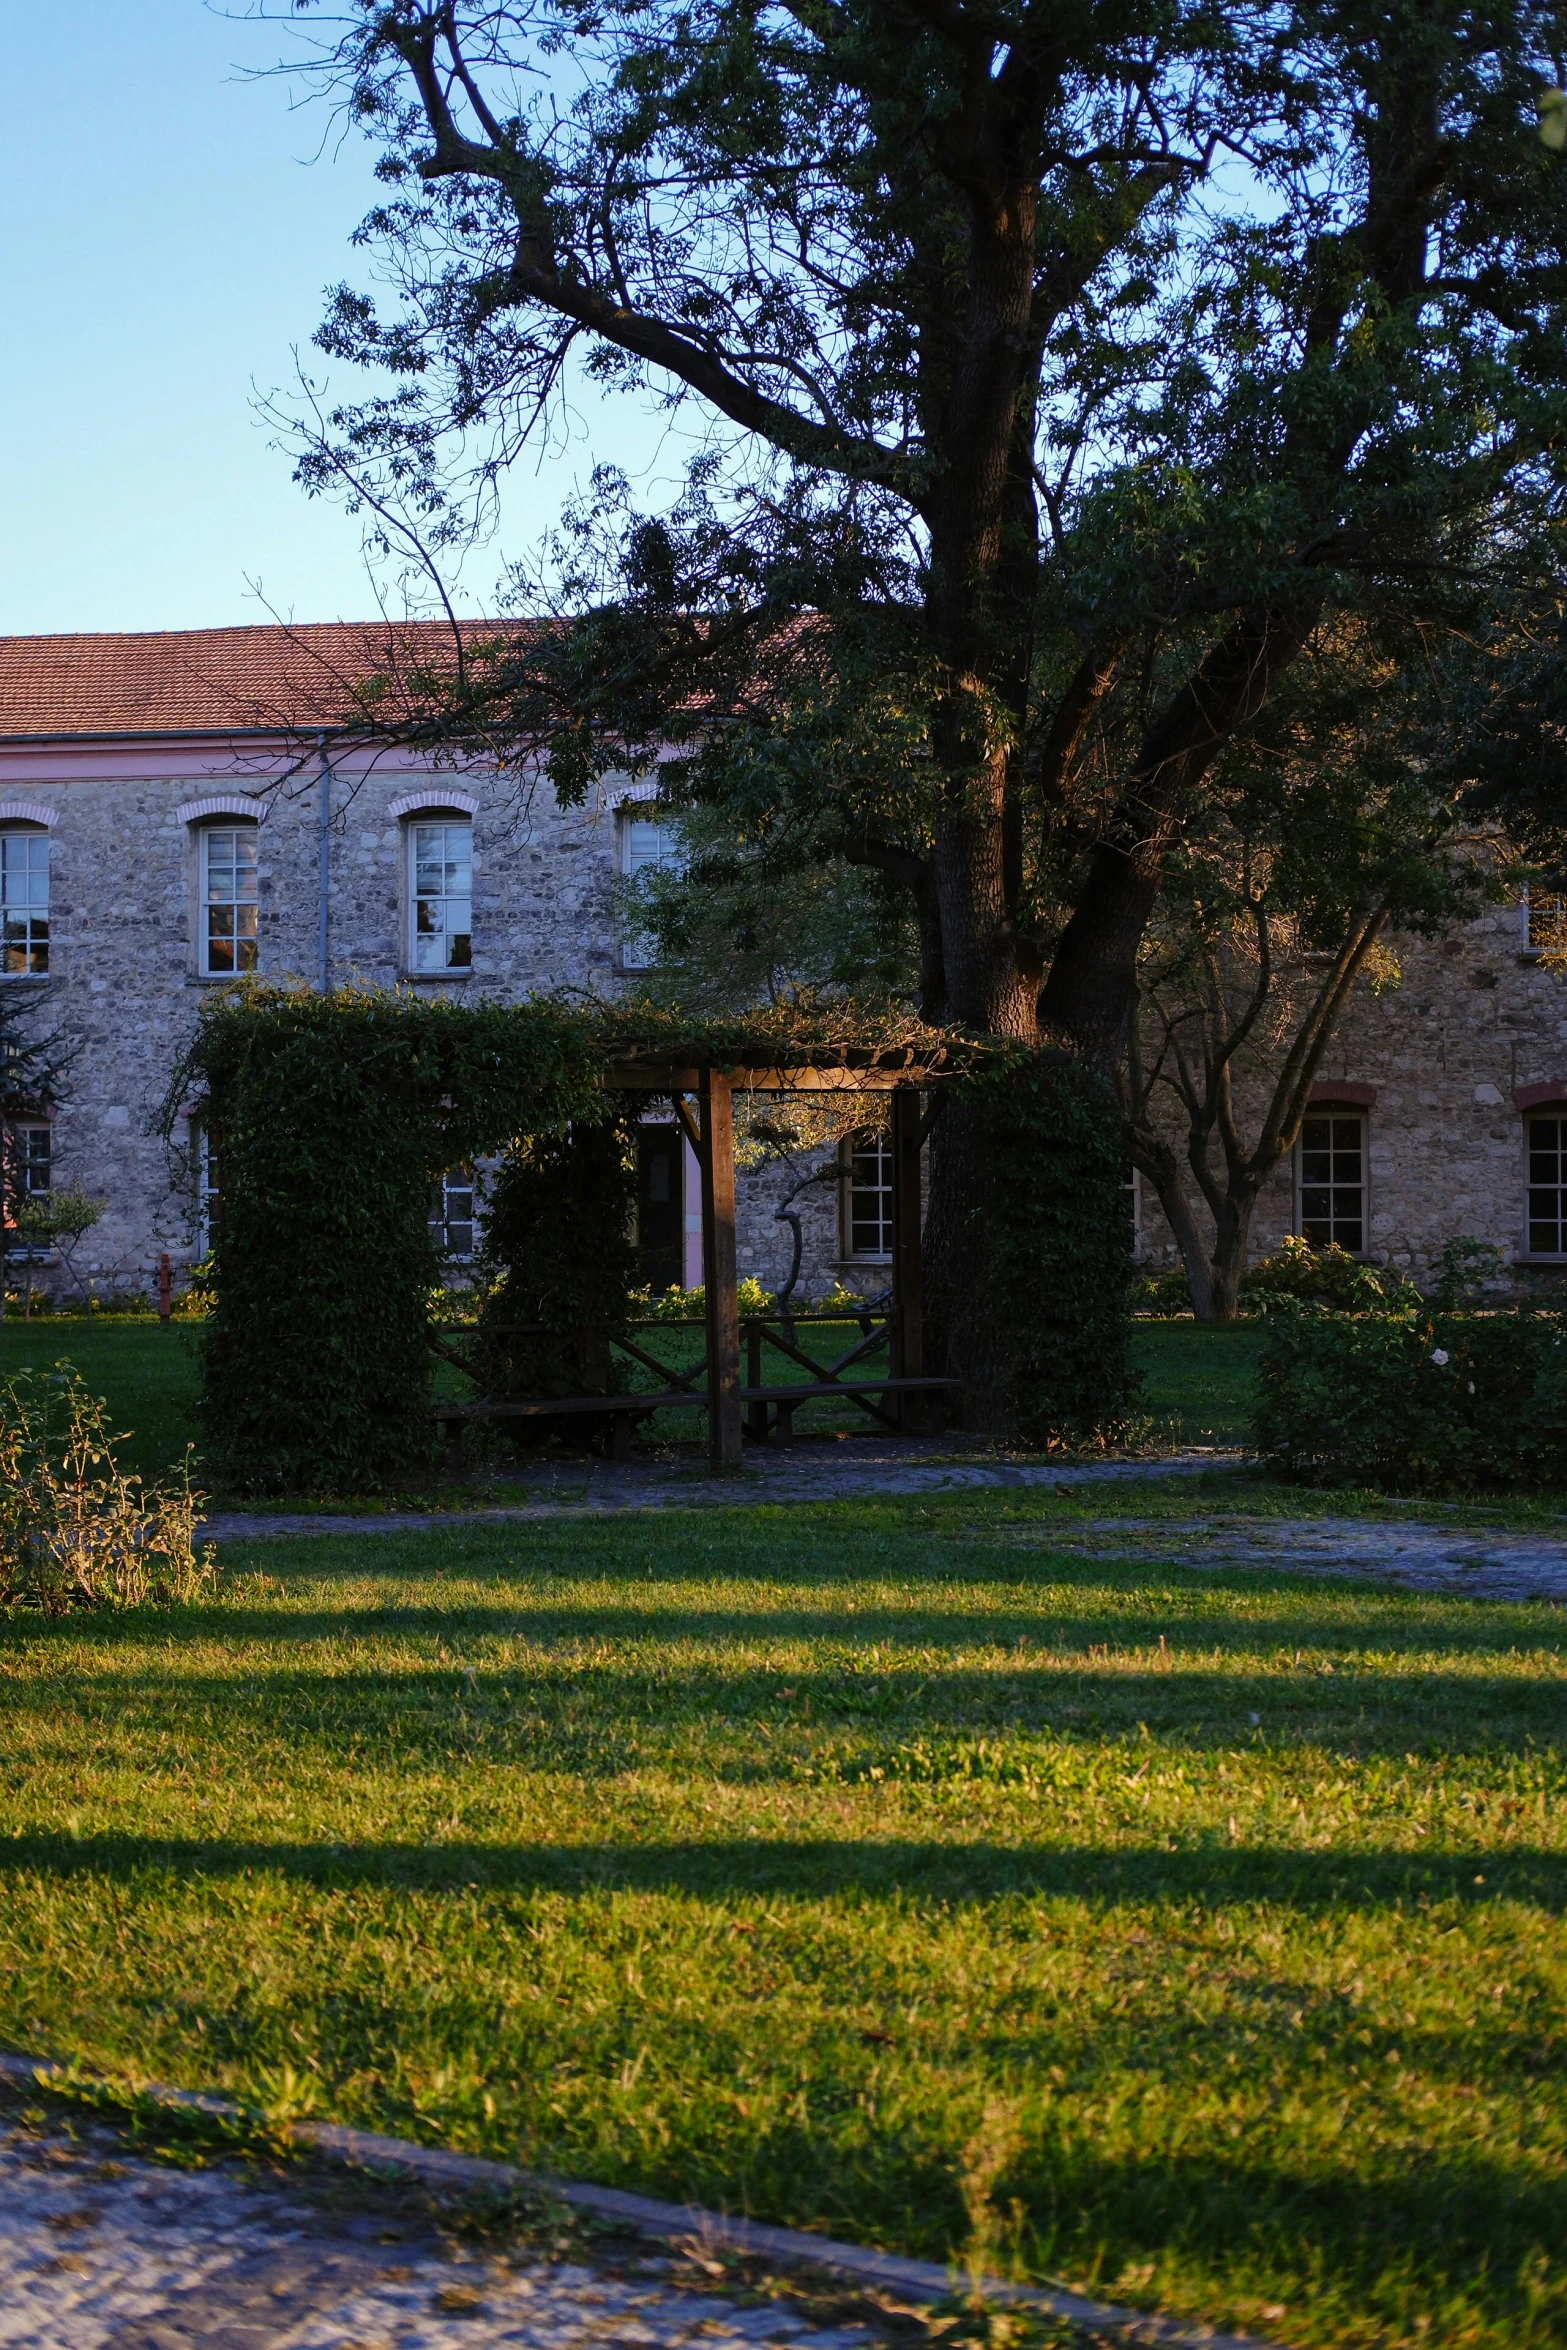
{"x":166,"y":821}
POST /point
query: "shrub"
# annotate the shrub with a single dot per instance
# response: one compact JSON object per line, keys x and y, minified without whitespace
{"x":681,"y":1305}
{"x":1328,"y":1277}
{"x":1162,"y":1294}
{"x":557,"y":1238}
{"x":75,"y":1530}
{"x":1056,"y":1250}
{"x":1466,"y":1270}
{"x":1414,"y":1401}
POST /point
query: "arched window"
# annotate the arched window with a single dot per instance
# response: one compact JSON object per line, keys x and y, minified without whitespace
{"x":866,"y":1196}
{"x":24,"y":900}
{"x":1331,"y":1177}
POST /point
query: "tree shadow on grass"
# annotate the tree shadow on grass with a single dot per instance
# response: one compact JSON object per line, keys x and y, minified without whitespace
{"x":905,"y":1716}
{"x":1206,"y":1873}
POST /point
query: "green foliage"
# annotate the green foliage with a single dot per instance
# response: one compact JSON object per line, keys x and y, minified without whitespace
{"x":1415,"y":1402}
{"x":76,"y":1529}
{"x":1328,"y":1277}
{"x":1466,"y":1270}
{"x":333,"y":1116}
{"x":1162,"y":1294}
{"x":558,"y":1246}
{"x":1057,"y":1246}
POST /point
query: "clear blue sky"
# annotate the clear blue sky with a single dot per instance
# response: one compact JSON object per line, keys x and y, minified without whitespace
{"x":166,"y":240}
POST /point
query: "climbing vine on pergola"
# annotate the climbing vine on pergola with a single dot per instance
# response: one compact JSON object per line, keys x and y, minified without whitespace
{"x":332,"y":1115}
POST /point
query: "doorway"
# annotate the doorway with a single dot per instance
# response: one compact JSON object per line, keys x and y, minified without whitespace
{"x":661,"y":1221}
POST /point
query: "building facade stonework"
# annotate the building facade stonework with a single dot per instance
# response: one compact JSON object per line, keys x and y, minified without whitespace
{"x":159,"y":828}
{"x":163,"y":821}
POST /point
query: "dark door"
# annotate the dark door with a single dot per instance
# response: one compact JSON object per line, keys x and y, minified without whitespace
{"x":661,"y":1220}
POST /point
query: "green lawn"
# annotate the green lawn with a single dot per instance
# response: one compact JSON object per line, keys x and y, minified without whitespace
{"x":775,"y":1857}
{"x":1197,"y":1378}
{"x":150,"y":1376}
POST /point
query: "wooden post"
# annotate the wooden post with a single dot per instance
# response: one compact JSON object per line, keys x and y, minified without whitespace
{"x":908,"y":1358}
{"x":719,"y":1271}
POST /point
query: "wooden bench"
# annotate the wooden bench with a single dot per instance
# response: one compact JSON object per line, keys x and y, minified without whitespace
{"x":624,"y":1411}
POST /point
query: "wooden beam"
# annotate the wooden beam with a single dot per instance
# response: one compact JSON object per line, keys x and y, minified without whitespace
{"x":719,"y":1270}
{"x":907,"y":1285}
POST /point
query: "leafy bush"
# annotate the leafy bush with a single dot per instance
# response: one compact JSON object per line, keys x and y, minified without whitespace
{"x":1057,"y":1250}
{"x":681,"y":1305}
{"x":75,"y":1530}
{"x":1466,"y":1269}
{"x":557,"y":1239}
{"x":1162,"y":1294}
{"x":1328,"y":1277}
{"x":1413,"y":1401}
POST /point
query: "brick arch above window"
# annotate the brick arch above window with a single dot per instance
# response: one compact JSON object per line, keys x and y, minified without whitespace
{"x":1536,"y":1097}
{"x":1343,"y":1093}
{"x":28,"y":812}
{"x":434,"y":803}
{"x":221,"y":803}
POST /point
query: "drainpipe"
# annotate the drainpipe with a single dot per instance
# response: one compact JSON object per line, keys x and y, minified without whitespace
{"x":325,"y":863}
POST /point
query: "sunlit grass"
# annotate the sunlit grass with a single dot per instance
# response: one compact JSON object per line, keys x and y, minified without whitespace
{"x":749,"y":1856}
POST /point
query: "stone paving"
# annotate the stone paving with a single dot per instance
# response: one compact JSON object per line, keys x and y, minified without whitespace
{"x":847,"y":1471}
{"x":100,"y":2250}
{"x":1467,"y":1561}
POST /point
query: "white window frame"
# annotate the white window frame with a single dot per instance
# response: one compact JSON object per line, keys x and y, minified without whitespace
{"x":454,"y":1184}
{"x":23,"y":909}
{"x":424,"y":956}
{"x":1557,"y":1113}
{"x":235,"y":872}
{"x":635,"y":948}
{"x":1335,"y":1110}
{"x":875,"y":1140}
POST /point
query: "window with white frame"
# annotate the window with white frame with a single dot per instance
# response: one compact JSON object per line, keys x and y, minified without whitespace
{"x":867,"y":1196}
{"x":452,"y":1215}
{"x":1543,"y":917}
{"x":645,"y":843}
{"x":230,"y":899}
{"x":1331,"y":1163}
{"x":1547,"y":1224}
{"x":440,"y":894}
{"x":30,"y":1178}
{"x":24,"y":902}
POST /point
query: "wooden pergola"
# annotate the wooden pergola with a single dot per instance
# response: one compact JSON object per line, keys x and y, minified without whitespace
{"x":702,"y":1085}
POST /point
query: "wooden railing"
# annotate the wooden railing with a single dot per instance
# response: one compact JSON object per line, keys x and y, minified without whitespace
{"x":890,"y":1397}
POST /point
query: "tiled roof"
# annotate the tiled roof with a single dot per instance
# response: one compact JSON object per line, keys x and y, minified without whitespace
{"x":203,"y":680}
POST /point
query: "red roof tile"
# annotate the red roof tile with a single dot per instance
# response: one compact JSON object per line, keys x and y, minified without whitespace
{"x":202,"y":680}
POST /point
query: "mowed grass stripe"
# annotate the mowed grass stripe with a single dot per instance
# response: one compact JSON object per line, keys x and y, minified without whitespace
{"x":766,"y":1857}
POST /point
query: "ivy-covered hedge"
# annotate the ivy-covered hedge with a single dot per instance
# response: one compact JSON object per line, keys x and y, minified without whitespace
{"x":1415,"y":1402}
{"x":330,"y":1118}
{"x":1058,"y":1248}
{"x":558,"y":1234}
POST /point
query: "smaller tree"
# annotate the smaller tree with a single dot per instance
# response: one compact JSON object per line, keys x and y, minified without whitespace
{"x":1333,"y":833}
{"x":32,"y":1065}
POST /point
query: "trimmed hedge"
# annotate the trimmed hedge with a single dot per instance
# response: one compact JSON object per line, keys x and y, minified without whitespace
{"x":1058,"y":1249}
{"x":1414,"y":1401}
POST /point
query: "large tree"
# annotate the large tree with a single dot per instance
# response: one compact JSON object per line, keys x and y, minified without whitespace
{"x":1064,"y":367}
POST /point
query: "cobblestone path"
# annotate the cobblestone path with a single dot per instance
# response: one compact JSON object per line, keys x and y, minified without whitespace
{"x":104,"y":2251}
{"x":848,"y":1472}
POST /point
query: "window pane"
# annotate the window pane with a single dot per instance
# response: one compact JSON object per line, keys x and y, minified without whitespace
{"x":1332,"y":1177}
{"x":441,"y":898}
{"x":869,"y":1203}
{"x":1547,"y":1201}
